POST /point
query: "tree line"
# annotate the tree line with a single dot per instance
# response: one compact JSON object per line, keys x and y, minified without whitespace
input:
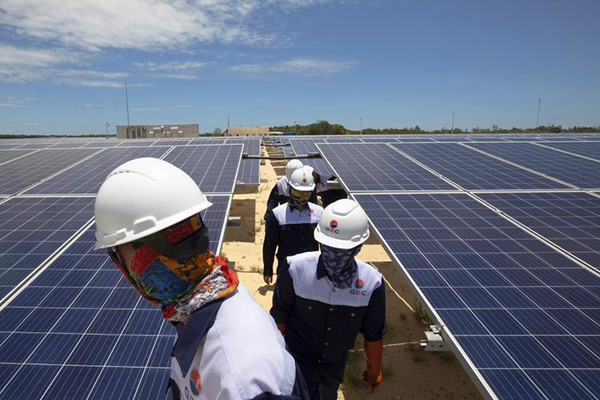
{"x":325,"y":128}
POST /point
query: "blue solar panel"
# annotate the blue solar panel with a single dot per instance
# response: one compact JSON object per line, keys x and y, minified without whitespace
{"x":26,"y":171}
{"x":320,"y":165}
{"x":571,"y":169}
{"x":213,"y":168}
{"x":288,"y":151}
{"x":68,"y":145}
{"x":103,"y":143}
{"x":379,"y":140}
{"x":8,"y":155}
{"x":520,"y":311}
{"x":306,"y":146}
{"x":570,"y":220}
{"x":587,"y":149}
{"x":87,"y":177}
{"x":249,"y":171}
{"x":137,"y":143}
{"x":85,"y":332}
{"x":473,"y":170}
{"x":165,"y":142}
{"x":378,"y":167}
{"x":31,"y":229}
{"x":251,"y":145}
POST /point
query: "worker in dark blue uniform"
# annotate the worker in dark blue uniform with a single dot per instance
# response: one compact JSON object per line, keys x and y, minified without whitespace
{"x":280,"y":194}
{"x":326,"y":298}
{"x":291,"y":225}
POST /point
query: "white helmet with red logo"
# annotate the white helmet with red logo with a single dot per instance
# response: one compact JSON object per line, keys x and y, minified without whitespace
{"x":302,"y":180}
{"x":291,"y":167}
{"x":343,"y":225}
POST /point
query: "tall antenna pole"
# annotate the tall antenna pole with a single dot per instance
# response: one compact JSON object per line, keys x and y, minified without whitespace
{"x":537,"y":121}
{"x":228,"y":122}
{"x":452,"y":123}
{"x":361,"y":125}
{"x":127,"y":104}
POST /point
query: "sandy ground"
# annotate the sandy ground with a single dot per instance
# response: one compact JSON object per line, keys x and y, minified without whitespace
{"x":409,"y":372}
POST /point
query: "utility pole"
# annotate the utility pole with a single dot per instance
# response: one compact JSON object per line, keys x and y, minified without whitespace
{"x":127,"y":104}
{"x":228,"y":122}
{"x":361,"y":125}
{"x":452,"y":123}
{"x":537,"y":121}
{"x":107,"y":125}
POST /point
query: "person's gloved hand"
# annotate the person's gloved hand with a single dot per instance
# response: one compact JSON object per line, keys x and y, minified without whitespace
{"x":372,"y":380}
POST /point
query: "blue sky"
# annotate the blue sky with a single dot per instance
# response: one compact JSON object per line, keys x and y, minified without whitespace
{"x":395,"y":63}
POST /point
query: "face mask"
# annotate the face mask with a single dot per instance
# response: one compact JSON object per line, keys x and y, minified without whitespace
{"x":298,"y":197}
{"x":340,"y":265}
{"x":164,"y":279}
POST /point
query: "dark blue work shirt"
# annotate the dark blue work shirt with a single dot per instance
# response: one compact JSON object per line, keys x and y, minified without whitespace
{"x":323,"y":322}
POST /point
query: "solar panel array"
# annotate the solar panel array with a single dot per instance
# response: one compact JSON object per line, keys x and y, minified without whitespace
{"x":500,"y":245}
{"x":67,"y":316}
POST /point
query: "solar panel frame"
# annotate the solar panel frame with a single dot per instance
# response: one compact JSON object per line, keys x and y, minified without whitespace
{"x":227,"y":157}
{"x":468,"y":308}
{"x":584,"y":149}
{"x":86,"y":178}
{"x":373,"y":167}
{"x":33,"y":168}
{"x":573,"y":170}
{"x":32,"y":230}
{"x":7,"y":156}
{"x":80,"y":316}
{"x":473,"y":170}
{"x":570,"y":220}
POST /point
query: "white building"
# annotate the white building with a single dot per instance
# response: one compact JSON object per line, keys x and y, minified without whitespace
{"x":158,"y":131}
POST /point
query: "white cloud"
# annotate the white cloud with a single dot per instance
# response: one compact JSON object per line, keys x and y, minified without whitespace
{"x":173,"y":76}
{"x":10,"y":105}
{"x":184,"y":106}
{"x":171,"y":66}
{"x":143,"y":24}
{"x":311,"y":67}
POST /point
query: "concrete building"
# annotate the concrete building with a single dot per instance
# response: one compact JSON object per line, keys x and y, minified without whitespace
{"x":261,"y":130}
{"x":158,"y":131}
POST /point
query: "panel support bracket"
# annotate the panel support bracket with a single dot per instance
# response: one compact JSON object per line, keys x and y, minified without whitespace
{"x":434,"y":340}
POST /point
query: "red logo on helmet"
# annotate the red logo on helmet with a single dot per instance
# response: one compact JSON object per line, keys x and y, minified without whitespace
{"x":303,"y":179}
{"x":333,"y":224}
{"x":359,"y":283}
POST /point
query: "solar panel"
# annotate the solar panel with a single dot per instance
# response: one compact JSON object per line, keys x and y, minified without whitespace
{"x":87,"y":177}
{"x":249,"y":171}
{"x":103,"y":143}
{"x":574,"y":170}
{"x":306,"y":146}
{"x":378,"y":167}
{"x":451,"y":139}
{"x":524,"y":319}
{"x":473,"y":170}
{"x":8,"y":155}
{"x":213,"y":168}
{"x":570,"y":220}
{"x":31,"y":229}
{"x":8,"y":147}
{"x":35,"y":146}
{"x":320,"y":165}
{"x":288,"y":151}
{"x":68,"y":145}
{"x":162,"y":142}
{"x":414,"y":140}
{"x":24,"y":172}
{"x":587,"y":149}
{"x":379,"y":140}
{"x":85,"y":332}
{"x":137,"y":143}
{"x":251,"y":145}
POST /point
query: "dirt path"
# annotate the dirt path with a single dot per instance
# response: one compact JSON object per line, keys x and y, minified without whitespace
{"x":409,"y":373}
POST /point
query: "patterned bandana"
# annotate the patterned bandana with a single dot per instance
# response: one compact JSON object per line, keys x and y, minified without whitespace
{"x":181,"y":289}
{"x":340,"y":265}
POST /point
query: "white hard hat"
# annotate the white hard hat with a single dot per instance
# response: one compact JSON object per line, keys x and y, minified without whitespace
{"x":309,"y":169}
{"x":291,"y":167}
{"x":142,"y":197}
{"x":343,"y":225}
{"x":302,"y":180}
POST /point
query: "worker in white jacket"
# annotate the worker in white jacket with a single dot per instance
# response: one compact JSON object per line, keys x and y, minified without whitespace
{"x":148,"y":218}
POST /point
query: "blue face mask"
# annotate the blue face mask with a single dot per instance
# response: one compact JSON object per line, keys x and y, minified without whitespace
{"x":340,"y":265}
